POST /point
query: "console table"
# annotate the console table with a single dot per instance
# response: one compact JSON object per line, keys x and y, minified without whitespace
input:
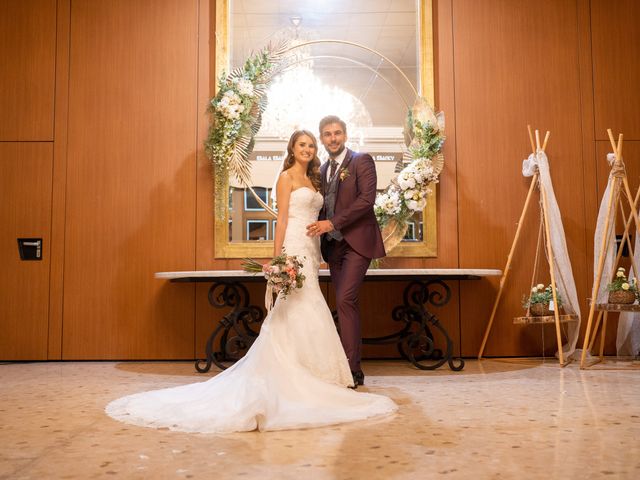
{"x":426,"y":288}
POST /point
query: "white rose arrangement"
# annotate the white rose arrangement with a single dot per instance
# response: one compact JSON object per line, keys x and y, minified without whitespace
{"x":244,"y":86}
{"x":236,"y":115}
{"x":409,"y":192}
{"x":387,"y":204}
{"x":230,"y":105}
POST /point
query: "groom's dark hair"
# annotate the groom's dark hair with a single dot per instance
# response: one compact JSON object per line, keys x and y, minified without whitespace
{"x":329,"y":119}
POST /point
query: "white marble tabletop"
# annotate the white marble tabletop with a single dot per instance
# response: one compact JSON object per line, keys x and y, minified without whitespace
{"x":444,"y":273}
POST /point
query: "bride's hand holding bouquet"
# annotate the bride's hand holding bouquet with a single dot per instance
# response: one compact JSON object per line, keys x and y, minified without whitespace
{"x":283,"y":274}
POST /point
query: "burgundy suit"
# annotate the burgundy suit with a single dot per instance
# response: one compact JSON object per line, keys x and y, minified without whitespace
{"x":350,"y":257}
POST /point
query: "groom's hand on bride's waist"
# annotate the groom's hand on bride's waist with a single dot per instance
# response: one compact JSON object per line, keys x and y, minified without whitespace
{"x":316,"y":229}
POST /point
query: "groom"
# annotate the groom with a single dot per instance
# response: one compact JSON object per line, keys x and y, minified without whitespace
{"x":350,"y":233}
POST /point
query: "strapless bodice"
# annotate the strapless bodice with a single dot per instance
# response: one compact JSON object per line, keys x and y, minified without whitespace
{"x":304,"y":205}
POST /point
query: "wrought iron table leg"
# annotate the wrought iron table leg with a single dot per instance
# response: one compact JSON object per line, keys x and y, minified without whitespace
{"x":235,"y":328}
{"x":413,"y":311}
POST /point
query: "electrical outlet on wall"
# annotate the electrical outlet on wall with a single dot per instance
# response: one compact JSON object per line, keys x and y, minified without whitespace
{"x":30,"y":248}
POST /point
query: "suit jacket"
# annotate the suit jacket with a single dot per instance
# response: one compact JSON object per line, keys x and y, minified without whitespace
{"x":353,"y":214}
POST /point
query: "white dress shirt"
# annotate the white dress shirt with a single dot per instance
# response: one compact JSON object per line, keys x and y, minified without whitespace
{"x":338,"y":160}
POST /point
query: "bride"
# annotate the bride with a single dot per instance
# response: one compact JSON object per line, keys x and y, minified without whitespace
{"x":296,"y":374}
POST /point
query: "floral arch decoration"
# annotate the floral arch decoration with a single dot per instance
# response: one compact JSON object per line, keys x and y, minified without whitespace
{"x":236,"y":115}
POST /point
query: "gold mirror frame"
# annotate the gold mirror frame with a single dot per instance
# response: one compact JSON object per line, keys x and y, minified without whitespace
{"x":264,"y":249}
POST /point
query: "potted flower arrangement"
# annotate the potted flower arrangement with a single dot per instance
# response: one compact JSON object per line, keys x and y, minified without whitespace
{"x":539,"y":300}
{"x":621,"y":289}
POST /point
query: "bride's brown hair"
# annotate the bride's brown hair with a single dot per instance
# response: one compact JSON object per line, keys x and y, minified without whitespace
{"x":313,"y":169}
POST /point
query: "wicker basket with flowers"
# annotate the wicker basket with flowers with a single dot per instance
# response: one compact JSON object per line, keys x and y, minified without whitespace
{"x":621,"y":289}
{"x":540,"y":301}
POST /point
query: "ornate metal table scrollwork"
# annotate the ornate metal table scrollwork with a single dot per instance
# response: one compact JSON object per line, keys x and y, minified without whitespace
{"x":238,"y":328}
{"x":415,"y":339}
{"x":235,"y":328}
{"x":426,"y":288}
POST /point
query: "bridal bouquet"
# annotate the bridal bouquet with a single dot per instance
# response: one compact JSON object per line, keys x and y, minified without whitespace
{"x":283,"y":274}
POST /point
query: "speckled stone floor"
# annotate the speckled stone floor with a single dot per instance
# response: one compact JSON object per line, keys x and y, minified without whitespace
{"x":495,"y":419}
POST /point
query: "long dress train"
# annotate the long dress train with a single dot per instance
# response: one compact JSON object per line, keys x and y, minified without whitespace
{"x":294,"y":375}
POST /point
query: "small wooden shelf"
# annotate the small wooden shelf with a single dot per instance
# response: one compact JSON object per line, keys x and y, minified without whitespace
{"x":533,"y":320}
{"x":618,"y":307}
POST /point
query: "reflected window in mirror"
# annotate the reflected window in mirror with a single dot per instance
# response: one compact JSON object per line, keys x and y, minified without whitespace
{"x":251,"y":204}
{"x":410,"y":236}
{"x":257,"y":230}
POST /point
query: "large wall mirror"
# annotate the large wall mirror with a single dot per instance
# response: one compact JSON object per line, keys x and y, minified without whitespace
{"x":369,"y":78}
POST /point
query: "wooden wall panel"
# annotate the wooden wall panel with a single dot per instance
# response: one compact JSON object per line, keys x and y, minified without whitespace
{"x":25,"y":211}
{"x":130,"y":179}
{"x":509,"y":72}
{"x":589,"y":160}
{"x":58,"y":210}
{"x":27,"y":56}
{"x":616,"y":70}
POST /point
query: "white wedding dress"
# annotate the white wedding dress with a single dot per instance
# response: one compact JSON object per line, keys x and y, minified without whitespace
{"x":295,"y":375}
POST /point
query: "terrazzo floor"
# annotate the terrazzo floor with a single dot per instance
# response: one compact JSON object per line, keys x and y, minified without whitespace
{"x":501,"y":419}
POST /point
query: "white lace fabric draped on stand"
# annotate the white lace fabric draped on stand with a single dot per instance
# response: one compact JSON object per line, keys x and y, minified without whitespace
{"x":295,"y":375}
{"x":628,"y":336}
{"x":565,"y":283}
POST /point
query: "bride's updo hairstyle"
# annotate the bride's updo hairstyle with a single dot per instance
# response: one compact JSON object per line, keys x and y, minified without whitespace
{"x":313,"y":170}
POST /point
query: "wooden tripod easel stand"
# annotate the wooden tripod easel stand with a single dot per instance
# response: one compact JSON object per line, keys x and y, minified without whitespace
{"x":545,"y":218}
{"x":619,"y":190}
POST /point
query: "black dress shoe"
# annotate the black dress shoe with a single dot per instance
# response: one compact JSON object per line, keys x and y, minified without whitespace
{"x":358,"y":378}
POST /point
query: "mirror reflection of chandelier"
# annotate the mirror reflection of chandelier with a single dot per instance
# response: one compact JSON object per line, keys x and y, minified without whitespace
{"x":299,"y":98}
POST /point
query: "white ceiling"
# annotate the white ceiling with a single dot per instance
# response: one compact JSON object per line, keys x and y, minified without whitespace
{"x":388,"y":26}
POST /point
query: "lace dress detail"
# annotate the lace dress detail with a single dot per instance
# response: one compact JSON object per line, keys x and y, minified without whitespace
{"x":294,"y":375}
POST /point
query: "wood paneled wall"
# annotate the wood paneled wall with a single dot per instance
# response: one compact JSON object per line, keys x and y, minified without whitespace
{"x":616,"y":95}
{"x":616,"y":69}
{"x":27,"y":57}
{"x":508,"y":77}
{"x":25,"y":212}
{"x":117,"y":92}
{"x":131,"y":173}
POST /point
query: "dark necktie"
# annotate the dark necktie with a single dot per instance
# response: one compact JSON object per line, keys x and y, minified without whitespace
{"x":332,"y":170}
{"x":330,"y":197}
